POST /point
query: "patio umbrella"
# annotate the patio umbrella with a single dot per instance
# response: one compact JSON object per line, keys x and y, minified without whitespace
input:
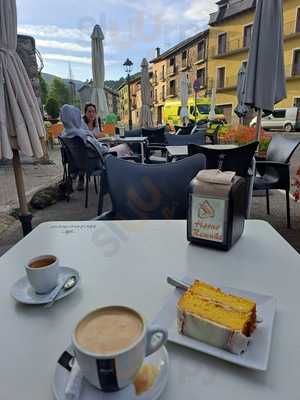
{"x":21,"y":124}
{"x":184,"y":97}
{"x":145,"y":120}
{"x":241,"y":109}
{"x":98,"y":94}
{"x":265,"y":82}
{"x":212,"y":111}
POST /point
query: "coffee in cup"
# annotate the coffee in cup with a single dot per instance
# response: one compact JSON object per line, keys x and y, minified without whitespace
{"x":110,"y":345}
{"x":42,"y":273}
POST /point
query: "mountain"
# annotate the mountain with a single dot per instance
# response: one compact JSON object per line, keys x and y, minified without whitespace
{"x":49,"y":78}
{"x":111,"y":84}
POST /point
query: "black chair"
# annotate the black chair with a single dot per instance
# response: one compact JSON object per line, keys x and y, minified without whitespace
{"x":213,"y":137}
{"x":184,"y":130}
{"x":65,"y":158}
{"x":84,"y":158}
{"x":142,"y":191}
{"x":237,"y":159}
{"x":197,"y":138}
{"x":274,"y":171}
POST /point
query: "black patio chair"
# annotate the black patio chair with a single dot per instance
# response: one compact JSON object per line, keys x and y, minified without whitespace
{"x":66,"y":160}
{"x":196,"y":138}
{"x":213,"y":137}
{"x":184,"y":130}
{"x":274,"y":171}
{"x":143,"y":191}
{"x":237,"y":159}
{"x":84,"y":158}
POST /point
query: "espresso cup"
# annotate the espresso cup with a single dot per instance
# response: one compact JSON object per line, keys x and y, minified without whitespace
{"x":42,"y":273}
{"x":110,"y":345}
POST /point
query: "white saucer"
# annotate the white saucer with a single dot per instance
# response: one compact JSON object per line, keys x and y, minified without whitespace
{"x":160,"y":359}
{"x":23,"y":292}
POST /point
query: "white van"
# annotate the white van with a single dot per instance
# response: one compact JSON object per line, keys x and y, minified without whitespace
{"x":287,"y":119}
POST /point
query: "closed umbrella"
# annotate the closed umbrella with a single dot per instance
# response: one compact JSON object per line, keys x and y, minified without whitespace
{"x":98,"y":95}
{"x":265,"y":82}
{"x":21,"y":124}
{"x":184,"y":97}
{"x":145,"y":120}
{"x":241,"y":109}
{"x":212,"y":111}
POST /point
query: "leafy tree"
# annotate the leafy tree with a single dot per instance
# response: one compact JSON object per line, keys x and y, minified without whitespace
{"x":60,"y":92}
{"x":52,"y":107}
{"x":44,"y":89}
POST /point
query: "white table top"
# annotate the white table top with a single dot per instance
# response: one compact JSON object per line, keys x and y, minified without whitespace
{"x":114,"y":139}
{"x":183,"y":150}
{"x":127,"y":263}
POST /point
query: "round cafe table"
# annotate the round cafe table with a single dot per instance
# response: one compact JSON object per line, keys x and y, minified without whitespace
{"x":127,"y":263}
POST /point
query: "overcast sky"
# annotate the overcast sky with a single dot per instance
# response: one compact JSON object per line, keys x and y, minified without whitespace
{"x":62,"y":30}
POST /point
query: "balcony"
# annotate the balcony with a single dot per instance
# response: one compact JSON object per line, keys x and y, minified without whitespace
{"x":292,"y":72}
{"x":291,"y":29}
{"x":171,"y":92}
{"x":172,"y":70}
{"x":229,"y":83}
{"x":234,"y":46}
{"x":162,"y":97}
{"x":201,"y":57}
{"x":184,"y":64}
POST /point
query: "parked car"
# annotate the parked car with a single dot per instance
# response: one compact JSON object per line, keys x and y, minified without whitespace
{"x":287,"y":119}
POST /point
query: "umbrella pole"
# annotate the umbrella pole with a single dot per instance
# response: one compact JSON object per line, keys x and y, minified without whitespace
{"x":258,"y":124}
{"x":24,"y":216}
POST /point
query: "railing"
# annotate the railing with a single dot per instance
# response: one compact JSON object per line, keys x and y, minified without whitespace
{"x":171,"y":91}
{"x":162,"y":97}
{"x":237,"y":44}
{"x":172,"y":69}
{"x":184,"y":63}
{"x":292,"y":71}
{"x":291,"y":27}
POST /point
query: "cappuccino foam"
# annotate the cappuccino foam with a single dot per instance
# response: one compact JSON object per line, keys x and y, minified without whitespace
{"x":109,"y":330}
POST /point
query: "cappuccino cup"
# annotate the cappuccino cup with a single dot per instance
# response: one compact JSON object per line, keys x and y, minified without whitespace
{"x":42,"y":273}
{"x":111,"y":343}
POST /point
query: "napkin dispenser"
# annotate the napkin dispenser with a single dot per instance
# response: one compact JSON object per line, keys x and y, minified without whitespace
{"x":216,"y":212}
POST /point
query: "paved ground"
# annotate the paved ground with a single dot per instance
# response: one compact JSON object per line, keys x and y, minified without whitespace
{"x":35,"y":177}
{"x":74,"y":210}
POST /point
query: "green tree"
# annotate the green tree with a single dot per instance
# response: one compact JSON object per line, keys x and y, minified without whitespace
{"x":60,"y":92}
{"x":44,"y":89}
{"x":52,"y":108}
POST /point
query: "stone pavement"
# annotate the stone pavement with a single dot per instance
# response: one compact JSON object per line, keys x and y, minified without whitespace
{"x":36,"y":176}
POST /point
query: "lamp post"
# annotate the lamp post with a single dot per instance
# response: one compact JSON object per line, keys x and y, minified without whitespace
{"x":128,"y":68}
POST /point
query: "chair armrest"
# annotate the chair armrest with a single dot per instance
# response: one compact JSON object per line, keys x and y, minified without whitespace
{"x":282,"y":170}
{"x":260,"y":158}
{"x":106,"y":216}
{"x":156,"y":146}
{"x":274,"y":164}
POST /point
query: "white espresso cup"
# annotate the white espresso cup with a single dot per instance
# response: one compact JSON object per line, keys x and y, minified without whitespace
{"x":42,"y":273}
{"x":111,"y":343}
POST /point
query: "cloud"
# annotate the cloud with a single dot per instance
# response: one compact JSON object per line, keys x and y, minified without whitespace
{"x":54,"y":44}
{"x":200,"y":9}
{"x":74,"y":59}
{"x":55,"y":32}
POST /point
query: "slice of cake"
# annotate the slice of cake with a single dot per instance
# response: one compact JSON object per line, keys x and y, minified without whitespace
{"x":223,"y":320}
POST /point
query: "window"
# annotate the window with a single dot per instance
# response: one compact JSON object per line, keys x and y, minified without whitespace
{"x":201,"y":50}
{"x":201,"y":76}
{"x":172,"y":61}
{"x":279,"y":113}
{"x":163,"y":73}
{"x":247,"y":35}
{"x":297,"y":102}
{"x":155,"y":77}
{"x":163,"y":94}
{"x":298,"y":20}
{"x":244,"y":64}
{"x":296,"y":63}
{"x":220,"y":77}
{"x":184,"y":59}
{"x":222,"y":39}
{"x":173,"y":87}
{"x":172,"y":68}
{"x":155,"y":95}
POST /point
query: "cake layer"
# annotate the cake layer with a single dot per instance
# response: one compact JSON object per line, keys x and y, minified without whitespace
{"x":215,"y":294}
{"x":216,"y":312}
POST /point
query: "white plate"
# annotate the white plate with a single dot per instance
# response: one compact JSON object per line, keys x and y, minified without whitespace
{"x":23,"y":292}
{"x":257,"y":354}
{"x":160,"y":359}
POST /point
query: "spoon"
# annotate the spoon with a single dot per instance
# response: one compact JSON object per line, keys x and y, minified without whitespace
{"x":68,"y":284}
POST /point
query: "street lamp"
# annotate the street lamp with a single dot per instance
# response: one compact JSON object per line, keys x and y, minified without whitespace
{"x":128,"y":64}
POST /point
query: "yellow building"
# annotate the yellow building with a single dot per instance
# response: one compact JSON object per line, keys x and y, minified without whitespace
{"x":189,"y":56}
{"x":230,"y":31}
